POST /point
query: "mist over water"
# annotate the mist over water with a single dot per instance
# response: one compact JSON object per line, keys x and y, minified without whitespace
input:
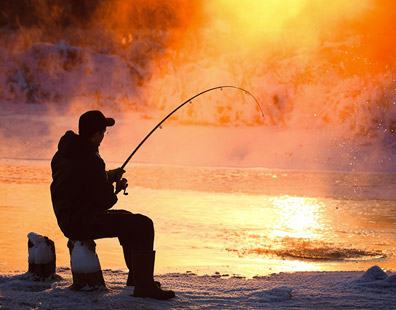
{"x":230,"y":220}
{"x":324,"y":70}
{"x":324,"y":74}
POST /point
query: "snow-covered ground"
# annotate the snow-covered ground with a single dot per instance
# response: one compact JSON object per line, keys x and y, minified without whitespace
{"x":373,"y":289}
{"x":328,"y":107}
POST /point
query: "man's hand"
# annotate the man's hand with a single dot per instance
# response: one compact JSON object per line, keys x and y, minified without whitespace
{"x":115,"y":175}
{"x":121,"y":185}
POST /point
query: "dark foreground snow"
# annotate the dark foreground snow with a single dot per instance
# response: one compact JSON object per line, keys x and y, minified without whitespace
{"x":372,"y":289}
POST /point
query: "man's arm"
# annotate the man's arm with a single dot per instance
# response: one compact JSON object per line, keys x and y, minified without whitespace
{"x":102,"y":191}
{"x":115,"y":175}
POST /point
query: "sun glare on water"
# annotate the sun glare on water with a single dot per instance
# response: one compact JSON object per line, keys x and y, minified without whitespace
{"x":313,"y":65}
{"x":299,"y":217}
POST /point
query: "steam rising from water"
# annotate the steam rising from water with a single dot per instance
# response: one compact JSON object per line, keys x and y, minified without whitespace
{"x":311,"y":64}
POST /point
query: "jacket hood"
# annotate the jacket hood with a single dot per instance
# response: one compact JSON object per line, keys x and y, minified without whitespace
{"x":72,"y":144}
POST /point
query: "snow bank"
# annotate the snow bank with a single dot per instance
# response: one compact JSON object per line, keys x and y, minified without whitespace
{"x":375,"y":273}
{"x":303,"y":290}
{"x":376,"y":278}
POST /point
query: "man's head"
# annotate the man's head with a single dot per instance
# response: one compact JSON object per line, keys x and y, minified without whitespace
{"x":92,"y":125}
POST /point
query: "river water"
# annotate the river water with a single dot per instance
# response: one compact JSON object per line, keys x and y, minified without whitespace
{"x":242,"y":221}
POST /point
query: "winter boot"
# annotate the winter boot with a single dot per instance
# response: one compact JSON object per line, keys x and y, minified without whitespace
{"x":128,"y":261}
{"x":143,"y":266}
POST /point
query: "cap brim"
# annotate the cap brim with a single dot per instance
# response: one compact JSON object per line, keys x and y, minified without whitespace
{"x":109,"y":121}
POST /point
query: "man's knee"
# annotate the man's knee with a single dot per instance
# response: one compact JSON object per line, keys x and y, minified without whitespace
{"x":139,"y":233}
{"x":146,"y":223}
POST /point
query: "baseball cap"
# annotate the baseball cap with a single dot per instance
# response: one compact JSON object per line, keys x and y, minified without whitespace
{"x":93,"y":121}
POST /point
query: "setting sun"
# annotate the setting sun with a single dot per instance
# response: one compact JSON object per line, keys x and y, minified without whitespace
{"x":216,"y":154}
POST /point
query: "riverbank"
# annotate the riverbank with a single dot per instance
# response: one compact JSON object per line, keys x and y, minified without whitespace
{"x":372,"y":289}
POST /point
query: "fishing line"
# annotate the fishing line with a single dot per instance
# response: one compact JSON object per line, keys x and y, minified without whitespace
{"x":185,"y":102}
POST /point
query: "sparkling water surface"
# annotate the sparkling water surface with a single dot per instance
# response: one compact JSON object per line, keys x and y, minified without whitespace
{"x":227,"y":220}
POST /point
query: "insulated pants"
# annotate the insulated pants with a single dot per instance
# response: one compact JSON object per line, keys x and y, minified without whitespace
{"x":134,"y":231}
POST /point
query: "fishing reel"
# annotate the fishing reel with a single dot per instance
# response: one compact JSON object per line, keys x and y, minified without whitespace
{"x":122,"y":186}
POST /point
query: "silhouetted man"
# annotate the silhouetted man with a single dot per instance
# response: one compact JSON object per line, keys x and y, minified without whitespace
{"x":82,"y":193}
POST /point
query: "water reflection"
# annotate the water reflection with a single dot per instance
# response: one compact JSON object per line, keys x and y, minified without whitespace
{"x":299,"y":217}
{"x":206,"y":231}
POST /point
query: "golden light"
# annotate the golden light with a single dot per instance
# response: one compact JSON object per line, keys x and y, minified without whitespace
{"x":297,"y":265}
{"x":278,"y":25}
{"x":251,"y":21}
{"x":299,"y":217}
{"x":306,"y":61}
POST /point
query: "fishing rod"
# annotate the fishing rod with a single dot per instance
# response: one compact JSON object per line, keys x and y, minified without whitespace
{"x":185,"y":102}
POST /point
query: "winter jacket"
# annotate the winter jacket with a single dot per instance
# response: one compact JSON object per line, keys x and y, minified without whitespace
{"x":79,"y":189}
